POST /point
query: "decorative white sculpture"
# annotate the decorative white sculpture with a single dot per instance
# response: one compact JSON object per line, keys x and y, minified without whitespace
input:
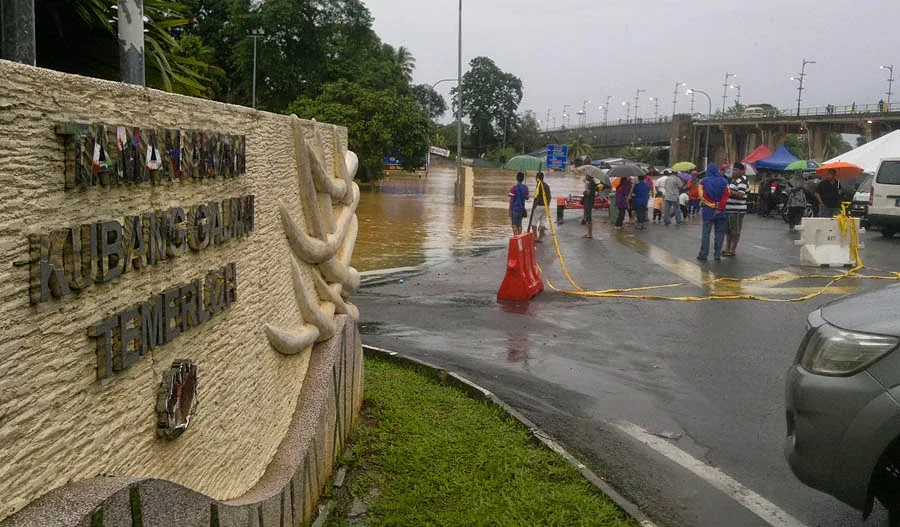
{"x":324,"y":240}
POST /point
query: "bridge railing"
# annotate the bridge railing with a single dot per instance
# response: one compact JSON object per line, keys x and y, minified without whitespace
{"x":611,"y":123}
{"x":814,"y":111}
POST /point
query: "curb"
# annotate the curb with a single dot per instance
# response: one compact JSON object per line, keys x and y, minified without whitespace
{"x":540,"y":436}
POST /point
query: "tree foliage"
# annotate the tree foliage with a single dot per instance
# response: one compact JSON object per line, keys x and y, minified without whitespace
{"x":490,"y":98}
{"x":430,"y":101}
{"x":379,"y":122}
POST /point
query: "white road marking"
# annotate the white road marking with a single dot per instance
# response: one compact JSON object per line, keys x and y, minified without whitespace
{"x":768,"y":511}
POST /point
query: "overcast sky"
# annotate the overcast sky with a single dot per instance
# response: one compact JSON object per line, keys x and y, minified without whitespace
{"x":569,"y":51}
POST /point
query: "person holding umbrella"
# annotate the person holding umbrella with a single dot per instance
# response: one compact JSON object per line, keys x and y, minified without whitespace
{"x":623,"y":199}
{"x":828,"y":194}
{"x":538,"y":210}
{"x":587,"y":203}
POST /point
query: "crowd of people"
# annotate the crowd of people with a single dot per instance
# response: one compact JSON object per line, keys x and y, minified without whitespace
{"x":717,"y":198}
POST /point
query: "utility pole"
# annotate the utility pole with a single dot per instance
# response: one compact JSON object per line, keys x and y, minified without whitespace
{"x":565,"y":116}
{"x":692,"y":102}
{"x":131,"y":41}
{"x":656,"y":107}
{"x":627,"y":106}
{"x":800,"y":78}
{"x":890,"y":84}
{"x":459,"y":87}
{"x":725,"y":91}
{"x":675,"y":98}
{"x":255,"y":34}
{"x":548,"y":119}
{"x":637,"y":99}
{"x":17,"y":24}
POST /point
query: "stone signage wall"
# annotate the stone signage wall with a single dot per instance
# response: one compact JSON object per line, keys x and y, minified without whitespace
{"x":170,"y":268}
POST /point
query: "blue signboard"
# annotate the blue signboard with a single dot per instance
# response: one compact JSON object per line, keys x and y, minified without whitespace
{"x":557,"y":157}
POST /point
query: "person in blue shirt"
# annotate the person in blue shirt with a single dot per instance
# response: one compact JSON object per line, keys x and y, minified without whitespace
{"x":518,"y":195}
{"x":713,"y":199}
{"x":640,"y":197}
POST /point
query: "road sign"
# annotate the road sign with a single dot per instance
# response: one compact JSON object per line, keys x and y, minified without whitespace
{"x":557,"y":157}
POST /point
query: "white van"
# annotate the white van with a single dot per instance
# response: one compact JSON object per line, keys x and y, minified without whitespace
{"x":884,"y":199}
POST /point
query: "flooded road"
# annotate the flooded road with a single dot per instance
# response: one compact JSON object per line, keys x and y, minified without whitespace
{"x":413,"y":220}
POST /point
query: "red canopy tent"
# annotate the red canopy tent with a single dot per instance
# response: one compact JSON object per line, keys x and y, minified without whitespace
{"x":761,"y":152}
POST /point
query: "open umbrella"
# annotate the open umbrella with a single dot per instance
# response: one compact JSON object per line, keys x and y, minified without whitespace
{"x":683,"y":166}
{"x":625,"y":171}
{"x":598,"y":174}
{"x":685,"y":176}
{"x":524,"y":163}
{"x":801,"y":165}
{"x":844,"y":170}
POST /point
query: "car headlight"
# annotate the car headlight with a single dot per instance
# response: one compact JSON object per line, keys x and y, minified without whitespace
{"x":828,"y":350}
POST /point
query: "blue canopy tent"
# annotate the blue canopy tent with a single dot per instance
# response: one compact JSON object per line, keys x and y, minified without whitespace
{"x":779,"y":160}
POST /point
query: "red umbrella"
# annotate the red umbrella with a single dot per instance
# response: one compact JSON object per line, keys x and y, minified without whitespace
{"x":844,"y":170}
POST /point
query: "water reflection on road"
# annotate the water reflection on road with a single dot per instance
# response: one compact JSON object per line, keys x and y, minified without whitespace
{"x":413,"y":220}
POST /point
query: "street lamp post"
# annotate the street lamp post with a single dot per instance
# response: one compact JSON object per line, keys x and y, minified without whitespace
{"x":708,"y":125}
{"x":890,"y":84}
{"x":547,"y":122}
{"x":656,"y":107}
{"x":675,"y":97}
{"x":255,"y":34}
{"x":606,"y":108}
{"x":800,"y":79}
{"x":584,"y":112}
{"x":725,"y":90}
{"x":637,"y":99}
{"x":627,"y":106}
{"x":738,"y":88}
{"x":565,"y":115}
{"x":458,"y":188}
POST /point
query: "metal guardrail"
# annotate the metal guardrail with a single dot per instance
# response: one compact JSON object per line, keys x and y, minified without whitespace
{"x":785,"y":113}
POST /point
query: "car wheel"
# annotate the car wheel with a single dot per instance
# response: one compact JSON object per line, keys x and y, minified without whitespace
{"x":888,"y":232}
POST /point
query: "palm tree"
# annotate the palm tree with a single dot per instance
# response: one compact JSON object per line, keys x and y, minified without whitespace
{"x":579,"y":148}
{"x":91,"y":43}
{"x":406,"y":61}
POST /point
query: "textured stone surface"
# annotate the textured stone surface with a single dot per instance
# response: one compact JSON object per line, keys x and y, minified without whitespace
{"x":58,"y":423}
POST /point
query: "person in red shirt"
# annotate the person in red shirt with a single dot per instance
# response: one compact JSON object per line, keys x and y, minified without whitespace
{"x":694,"y":194}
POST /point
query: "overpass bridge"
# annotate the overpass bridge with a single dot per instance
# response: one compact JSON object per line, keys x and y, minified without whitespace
{"x":734,"y":136}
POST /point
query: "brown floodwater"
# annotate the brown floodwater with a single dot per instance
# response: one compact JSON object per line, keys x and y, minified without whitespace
{"x":412,"y":219}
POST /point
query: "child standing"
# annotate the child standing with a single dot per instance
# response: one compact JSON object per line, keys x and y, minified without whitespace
{"x":658,"y":207}
{"x":683,"y":199}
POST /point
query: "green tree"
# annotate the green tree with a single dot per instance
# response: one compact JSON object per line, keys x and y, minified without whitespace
{"x":405,"y":61}
{"x":580,"y":148}
{"x":379,"y":123}
{"x":430,"y":101}
{"x":490,"y":100}
{"x":797,"y":145}
{"x":526,"y":135}
{"x":835,"y":145}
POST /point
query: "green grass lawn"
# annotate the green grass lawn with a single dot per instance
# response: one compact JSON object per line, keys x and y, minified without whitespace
{"x":427,"y":454}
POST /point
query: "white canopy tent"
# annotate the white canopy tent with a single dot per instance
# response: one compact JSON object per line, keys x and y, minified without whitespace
{"x":870,"y":154}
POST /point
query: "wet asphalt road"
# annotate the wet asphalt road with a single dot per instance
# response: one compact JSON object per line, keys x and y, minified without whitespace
{"x":707,"y":375}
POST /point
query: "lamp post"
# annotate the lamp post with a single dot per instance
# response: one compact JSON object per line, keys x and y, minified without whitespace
{"x":255,"y":34}
{"x":606,"y":108}
{"x":565,"y":115}
{"x":458,"y":188}
{"x":800,"y":79}
{"x":656,"y":107}
{"x":725,"y":90}
{"x":547,"y":122}
{"x":637,"y":98}
{"x":675,"y":97}
{"x":583,"y":114}
{"x":605,"y":113}
{"x":627,"y":106}
{"x":738,"y":88}
{"x":708,"y":124}
{"x":890,"y":84}
{"x":692,"y":103}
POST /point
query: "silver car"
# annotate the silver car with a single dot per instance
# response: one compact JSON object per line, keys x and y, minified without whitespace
{"x":843,"y":414}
